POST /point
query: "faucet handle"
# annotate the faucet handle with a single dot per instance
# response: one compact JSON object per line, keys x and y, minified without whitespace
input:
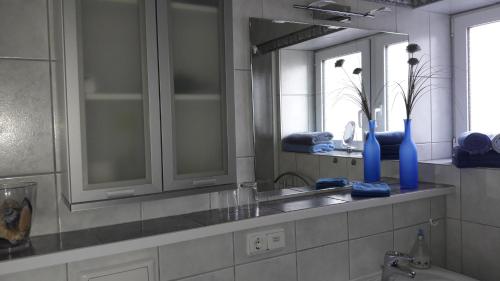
{"x":395,"y":257}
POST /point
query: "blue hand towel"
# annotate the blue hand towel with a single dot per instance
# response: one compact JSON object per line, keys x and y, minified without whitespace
{"x":331,"y":182}
{"x":361,"y":189}
{"x":389,"y":138}
{"x":463,"y":159}
{"x":474,"y":143}
{"x":318,"y":148}
{"x":310,"y":138}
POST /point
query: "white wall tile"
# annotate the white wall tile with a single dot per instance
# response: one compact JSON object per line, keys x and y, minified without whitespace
{"x":367,"y":254}
{"x":481,"y":251}
{"x":294,"y":114}
{"x":438,"y":243}
{"x":308,"y":165}
{"x":454,"y":245}
{"x":321,"y":231}
{"x":329,"y":262}
{"x":438,"y":207}
{"x":242,"y":11}
{"x":220,"y":275}
{"x":245,"y":169}
{"x":355,"y":169}
{"x":196,"y":256}
{"x":23,"y":25}
{"x":331,"y":167}
{"x":411,"y":213}
{"x":424,"y":151}
{"x":481,"y":196}
{"x":287,"y":162}
{"x":441,"y":150}
{"x":369,"y":221}
{"x":281,"y":268}
{"x":296,"y":72}
{"x":240,"y":243}
{"x":175,"y":206}
{"x":442,"y":112}
{"x":27,"y":142}
{"x":244,"y":117}
{"x":440,"y":40}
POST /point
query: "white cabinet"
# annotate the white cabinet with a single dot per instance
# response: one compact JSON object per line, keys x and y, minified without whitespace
{"x":135,"y":266}
{"x":148,"y":90}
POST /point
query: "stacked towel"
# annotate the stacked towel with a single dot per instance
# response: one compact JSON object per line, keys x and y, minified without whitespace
{"x":495,"y":143}
{"x":361,"y":189}
{"x":312,"y":142}
{"x":331,"y":182}
{"x":389,"y":144}
{"x":474,"y":143}
{"x":463,"y":159}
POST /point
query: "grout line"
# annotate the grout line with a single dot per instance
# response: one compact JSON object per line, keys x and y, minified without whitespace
{"x":28,"y":59}
{"x":28,"y":175}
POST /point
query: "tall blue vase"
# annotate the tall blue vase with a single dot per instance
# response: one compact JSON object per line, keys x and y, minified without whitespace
{"x":408,"y":160}
{"x":371,"y":156}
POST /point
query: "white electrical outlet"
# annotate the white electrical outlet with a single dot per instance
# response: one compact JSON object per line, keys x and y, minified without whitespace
{"x":261,"y":242}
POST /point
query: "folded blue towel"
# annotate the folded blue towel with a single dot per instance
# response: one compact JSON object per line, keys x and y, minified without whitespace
{"x":474,"y":143}
{"x":331,"y":182}
{"x":361,"y":189}
{"x":464,"y":159}
{"x":317,"y":148}
{"x":389,"y":138}
{"x":310,"y":138}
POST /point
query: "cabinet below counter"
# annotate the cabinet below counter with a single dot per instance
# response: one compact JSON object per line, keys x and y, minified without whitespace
{"x":66,"y":247}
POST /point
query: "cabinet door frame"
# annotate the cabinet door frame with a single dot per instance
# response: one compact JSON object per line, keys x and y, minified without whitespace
{"x":148,"y":264}
{"x":171,"y":180}
{"x":76,"y":124}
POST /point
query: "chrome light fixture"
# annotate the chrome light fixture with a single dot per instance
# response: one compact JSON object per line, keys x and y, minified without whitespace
{"x":321,"y":6}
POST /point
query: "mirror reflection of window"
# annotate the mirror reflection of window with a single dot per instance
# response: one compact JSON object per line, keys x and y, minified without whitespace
{"x":396,"y":70}
{"x":484,"y":44}
{"x":338,"y":109}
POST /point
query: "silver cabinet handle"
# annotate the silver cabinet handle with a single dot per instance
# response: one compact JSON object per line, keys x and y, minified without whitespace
{"x":204,"y":182}
{"x":120,"y":193}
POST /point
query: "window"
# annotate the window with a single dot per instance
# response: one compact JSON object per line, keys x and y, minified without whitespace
{"x":396,"y":76}
{"x":333,"y":107}
{"x":476,"y":59}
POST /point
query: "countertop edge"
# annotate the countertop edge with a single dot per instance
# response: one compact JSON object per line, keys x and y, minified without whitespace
{"x":74,"y":255}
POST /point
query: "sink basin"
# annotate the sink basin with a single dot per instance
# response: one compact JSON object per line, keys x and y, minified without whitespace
{"x":432,"y":274}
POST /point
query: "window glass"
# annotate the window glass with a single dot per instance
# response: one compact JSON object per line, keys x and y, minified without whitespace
{"x":484,"y":43}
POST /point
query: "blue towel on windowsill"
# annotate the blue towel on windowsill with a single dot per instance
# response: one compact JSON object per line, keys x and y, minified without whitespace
{"x":389,"y":138}
{"x":331,"y":182}
{"x":309,"y":138}
{"x":464,"y":159}
{"x":474,"y":143}
{"x":361,"y":189}
{"x":318,"y":148}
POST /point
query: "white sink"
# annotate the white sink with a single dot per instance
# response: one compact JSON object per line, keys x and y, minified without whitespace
{"x":433,"y":274}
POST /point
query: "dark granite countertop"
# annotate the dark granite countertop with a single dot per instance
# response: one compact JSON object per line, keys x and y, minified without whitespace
{"x":221,"y":220}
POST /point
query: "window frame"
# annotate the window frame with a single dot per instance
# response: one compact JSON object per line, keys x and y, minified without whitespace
{"x":460,"y":34}
{"x":322,"y":55}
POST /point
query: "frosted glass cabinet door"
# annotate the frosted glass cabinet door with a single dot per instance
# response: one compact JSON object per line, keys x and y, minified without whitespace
{"x":196,"y":86}
{"x":112,"y":92}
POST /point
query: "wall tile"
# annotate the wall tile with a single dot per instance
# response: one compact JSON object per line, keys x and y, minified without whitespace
{"x":196,"y":256}
{"x":424,"y":151}
{"x":415,"y":23}
{"x":294,"y":114}
{"x":308,"y":165}
{"x":242,"y":11}
{"x":53,"y":273}
{"x":481,"y":196}
{"x":411,"y":213}
{"x":405,"y":238}
{"x":287,"y":162}
{"x":355,"y":169}
{"x":454,"y":245}
{"x":296,"y":72}
{"x":245,"y":169}
{"x":25,"y":118}
{"x":329,"y":262}
{"x":220,"y":275}
{"x":240,"y":243}
{"x":23,"y":25}
{"x":442,"y":112}
{"x":481,"y":251}
{"x":175,"y":206}
{"x":244,"y":119}
{"x":45,"y":220}
{"x":282,"y":268}
{"x":441,"y":150}
{"x":369,"y":221}
{"x":284,"y":10}
{"x":367,"y":254}
{"x":331,"y":167}
{"x":438,"y":207}
{"x":321,"y":231}
{"x":440,"y":40}
{"x":438,"y":243}
{"x":390,"y":168}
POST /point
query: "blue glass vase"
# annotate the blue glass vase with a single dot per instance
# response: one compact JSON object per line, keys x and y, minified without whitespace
{"x":408,"y":160}
{"x":371,"y":156}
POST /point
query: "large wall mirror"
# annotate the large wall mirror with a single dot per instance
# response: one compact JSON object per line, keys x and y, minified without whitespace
{"x":297,"y":88}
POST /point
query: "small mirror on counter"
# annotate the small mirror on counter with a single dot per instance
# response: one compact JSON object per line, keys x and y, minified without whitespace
{"x":297,"y":88}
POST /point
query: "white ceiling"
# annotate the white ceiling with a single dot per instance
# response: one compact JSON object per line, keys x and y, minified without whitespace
{"x":451,"y":7}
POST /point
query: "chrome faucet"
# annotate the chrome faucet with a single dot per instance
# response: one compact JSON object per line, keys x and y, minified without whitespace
{"x":396,"y":263}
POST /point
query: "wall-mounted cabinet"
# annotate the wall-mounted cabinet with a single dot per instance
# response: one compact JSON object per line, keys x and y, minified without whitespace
{"x":149,"y":94}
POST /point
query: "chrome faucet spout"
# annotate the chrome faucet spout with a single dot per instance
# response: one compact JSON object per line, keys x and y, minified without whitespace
{"x":395,"y":263}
